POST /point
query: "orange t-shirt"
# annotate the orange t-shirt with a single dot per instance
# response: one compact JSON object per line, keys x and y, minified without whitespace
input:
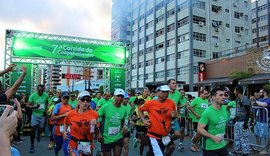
{"x":159,"y":116}
{"x":60,"y":109}
{"x":80,"y":125}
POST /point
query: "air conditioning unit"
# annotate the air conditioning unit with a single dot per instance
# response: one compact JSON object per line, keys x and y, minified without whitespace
{"x":234,"y":4}
{"x":216,"y":44}
{"x":201,"y":24}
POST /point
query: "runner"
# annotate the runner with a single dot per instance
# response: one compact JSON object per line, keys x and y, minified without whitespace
{"x":160,"y":111}
{"x":59,"y":113}
{"x":115,"y":119}
{"x":73,"y":101}
{"x":104,"y":100}
{"x":38,"y":101}
{"x":83,"y":124}
{"x":212,"y":125}
{"x":197,"y":106}
{"x":51,"y":123}
{"x":182,"y":111}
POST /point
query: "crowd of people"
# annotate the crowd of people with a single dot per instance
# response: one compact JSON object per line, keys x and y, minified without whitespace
{"x":216,"y":120}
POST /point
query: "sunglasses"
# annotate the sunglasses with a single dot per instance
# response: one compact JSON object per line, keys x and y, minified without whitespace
{"x":85,"y":99}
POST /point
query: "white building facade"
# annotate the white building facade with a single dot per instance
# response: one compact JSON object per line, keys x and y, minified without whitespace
{"x":170,"y":37}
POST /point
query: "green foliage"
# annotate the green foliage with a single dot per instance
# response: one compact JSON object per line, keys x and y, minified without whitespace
{"x":266,"y":86}
{"x":237,"y":75}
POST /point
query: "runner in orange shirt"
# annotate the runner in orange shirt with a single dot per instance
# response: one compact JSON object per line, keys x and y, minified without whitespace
{"x":160,"y":111}
{"x":83,"y":125}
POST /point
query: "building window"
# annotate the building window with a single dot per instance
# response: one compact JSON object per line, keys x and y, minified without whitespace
{"x":182,"y":6}
{"x":170,"y":57}
{"x":182,"y":22}
{"x":160,"y":46}
{"x":215,"y":8}
{"x":133,"y":78}
{"x":227,"y":10}
{"x":140,"y":29}
{"x":182,"y":54}
{"x":238,"y":42}
{"x":199,"y":4}
{"x":140,"y":65}
{"x":149,"y":62}
{"x":141,"y":40}
{"x":199,"y":53}
{"x":134,"y":66}
{"x":135,"y":43}
{"x":183,"y":38}
{"x":160,"y":32}
{"x":170,"y":13}
{"x":160,"y":60}
{"x":149,"y":24}
{"x":170,"y":42}
{"x":160,"y":74}
{"x":160,"y":5}
{"x":183,"y":70}
{"x":134,"y":55}
{"x":170,"y":27}
{"x":159,"y":19}
{"x":236,"y":15}
{"x":140,"y":53}
{"x":170,"y":73}
{"x":149,"y":50}
{"x":227,"y":25}
{"x":198,"y":20}
{"x":149,"y":12}
{"x":199,"y":36}
{"x":149,"y":37}
{"x":215,"y":55}
{"x":238,"y":29}
{"x":246,"y":17}
{"x":228,"y":40}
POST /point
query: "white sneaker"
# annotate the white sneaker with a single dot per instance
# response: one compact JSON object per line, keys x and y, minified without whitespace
{"x":180,"y":146}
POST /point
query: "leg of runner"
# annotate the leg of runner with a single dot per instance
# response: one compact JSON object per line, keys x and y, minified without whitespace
{"x":126,"y":144}
{"x":65,"y":146}
{"x":58,"y":144}
{"x":32,"y":138}
{"x":182,"y":133}
{"x":170,"y":149}
{"x":117,"y":150}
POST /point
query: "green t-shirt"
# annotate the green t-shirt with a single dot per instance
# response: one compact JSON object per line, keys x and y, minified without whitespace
{"x":95,"y":100}
{"x":41,"y":100}
{"x":199,"y":105}
{"x":73,"y":104}
{"x":216,"y":124}
{"x":183,"y":101}
{"x":114,"y":117}
{"x":132,"y":99}
{"x":102,"y":101}
{"x":129,"y":112}
{"x":175,"y":97}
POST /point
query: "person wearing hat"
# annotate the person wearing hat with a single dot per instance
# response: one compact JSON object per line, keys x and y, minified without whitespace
{"x":104,"y":100}
{"x":116,"y":118}
{"x":60,"y":111}
{"x":160,"y":112}
{"x":83,"y":125}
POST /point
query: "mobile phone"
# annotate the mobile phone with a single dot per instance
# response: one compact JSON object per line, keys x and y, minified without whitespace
{"x":3,"y":107}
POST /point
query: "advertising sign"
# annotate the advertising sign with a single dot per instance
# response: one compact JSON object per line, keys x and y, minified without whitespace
{"x":25,"y":87}
{"x":71,"y":76}
{"x":31,"y":47}
{"x":201,"y":73}
{"x":117,"y":79}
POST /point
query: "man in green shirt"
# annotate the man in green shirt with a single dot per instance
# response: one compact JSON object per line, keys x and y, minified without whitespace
{"x":38,"y":101}
{"x":73,"y":101}
{"x":212,"y":125}
{"x":182,"y":111}
{"x":115,"y":120}
{"x":97,"y":98}
{"x":197,"y":106}
{"x":106,"y":99}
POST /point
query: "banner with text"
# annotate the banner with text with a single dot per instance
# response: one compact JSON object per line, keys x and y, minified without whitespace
{"x":30,"y":47}
{"x":25,"y":87}
{"x":117,"y":79}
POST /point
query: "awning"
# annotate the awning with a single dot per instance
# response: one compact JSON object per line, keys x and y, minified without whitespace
{"x":256,"y":79}
{"x":219,"y":80}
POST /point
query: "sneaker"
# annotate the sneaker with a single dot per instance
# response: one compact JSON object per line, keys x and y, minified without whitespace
{"x":264,"y":152}
{"x":32,"y":150}
{"x":180,"y":146}
{"x":51,"y":145}
{"x":135,"y":143}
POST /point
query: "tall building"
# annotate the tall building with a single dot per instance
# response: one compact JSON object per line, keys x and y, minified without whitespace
{"x":260,"y":22}
{"x":170,"y":37}
{"x":53,"y":77}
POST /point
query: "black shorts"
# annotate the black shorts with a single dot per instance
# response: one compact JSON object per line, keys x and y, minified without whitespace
{"x":126,"y":135}
{"x":219,"y":152}
{"x":141,"y":129}
{"x":183,"y":122}
{"x":109,"y":147}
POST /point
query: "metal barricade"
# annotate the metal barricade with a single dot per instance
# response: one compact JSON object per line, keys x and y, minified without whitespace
{"x":258,"y":125}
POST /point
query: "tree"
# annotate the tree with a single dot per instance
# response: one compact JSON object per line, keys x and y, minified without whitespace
{"x":237,"y":75}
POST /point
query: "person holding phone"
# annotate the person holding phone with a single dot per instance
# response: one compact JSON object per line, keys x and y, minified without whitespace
{"x":38,"y":102}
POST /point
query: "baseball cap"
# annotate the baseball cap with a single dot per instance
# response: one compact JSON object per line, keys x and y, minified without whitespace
{"x":83,"y":94}
{"x":165,"y":88}
{"x":126,"y":96}
{"x":65,"y":94}
{"x":119,"y":92}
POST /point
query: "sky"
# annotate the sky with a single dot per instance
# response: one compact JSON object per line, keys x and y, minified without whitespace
{"x":80,"y":18}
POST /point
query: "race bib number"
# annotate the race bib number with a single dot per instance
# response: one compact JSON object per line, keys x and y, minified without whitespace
{"x":182,"y":111}
{"x":114,"y":130}
{"x":41,"y":106}
{"x":204,"y":105}
{"x":84,"y":147}
{"x":62,"y":128}
{"x":166,"y":140}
